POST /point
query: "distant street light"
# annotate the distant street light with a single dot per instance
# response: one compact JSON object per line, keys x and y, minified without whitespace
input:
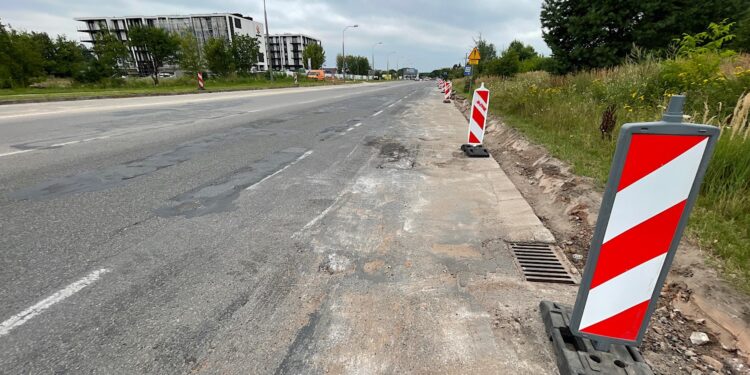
{"x":268,"y":41}
{"x":373,"y":54}
{"x":343,"y":49}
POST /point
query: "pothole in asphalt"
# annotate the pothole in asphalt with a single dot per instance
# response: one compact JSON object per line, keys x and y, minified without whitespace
{"x":336,"y":263}
{"x":394,"y":154}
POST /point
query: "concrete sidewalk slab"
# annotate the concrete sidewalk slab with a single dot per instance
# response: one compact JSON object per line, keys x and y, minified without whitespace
{"x":421,"y":277}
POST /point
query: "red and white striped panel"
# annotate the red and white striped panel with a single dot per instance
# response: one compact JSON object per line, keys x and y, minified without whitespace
{"x":657,"y":178}
{"x":448,"y":90}
{"x":480,"y":106}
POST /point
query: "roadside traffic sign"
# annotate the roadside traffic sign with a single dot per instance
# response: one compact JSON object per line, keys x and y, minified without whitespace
{"x":467,"y":70}
{"x":656,"y":174}
{"x":474,"y":55}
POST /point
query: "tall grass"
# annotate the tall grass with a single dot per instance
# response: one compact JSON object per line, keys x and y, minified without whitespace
{"x":564,"y":114}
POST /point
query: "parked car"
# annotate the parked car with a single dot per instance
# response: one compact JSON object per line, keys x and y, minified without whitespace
{"x":319,"y":75}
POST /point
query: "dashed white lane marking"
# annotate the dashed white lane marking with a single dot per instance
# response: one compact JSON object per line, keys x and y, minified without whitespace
{"x":377,"y":113}
{"x":24,"y":316}
{"x":307,"y":102}
{"x":79,"y":141}
{"x":321,"y":215}
{"x":15,"y":152}
{"x":357,"y":124}
{"x":306,"y":154}
{"x":392,"y":104}
{"x":350,"y":129}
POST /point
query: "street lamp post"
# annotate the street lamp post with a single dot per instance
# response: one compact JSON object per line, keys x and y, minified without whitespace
{"x":268,"y":41}
{"x":373,"y":55}
{"x":343,"y":49}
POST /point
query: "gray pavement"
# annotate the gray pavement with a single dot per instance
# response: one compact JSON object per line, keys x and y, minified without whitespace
{"x":321,"y":230}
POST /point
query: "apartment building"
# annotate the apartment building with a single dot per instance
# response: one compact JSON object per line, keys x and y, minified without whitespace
{"x":286,"y":50}
{"x":204,"y":26}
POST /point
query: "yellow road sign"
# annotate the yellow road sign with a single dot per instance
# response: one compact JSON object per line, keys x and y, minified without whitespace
{"x":473,"y":62}
{"x":475,"y":54}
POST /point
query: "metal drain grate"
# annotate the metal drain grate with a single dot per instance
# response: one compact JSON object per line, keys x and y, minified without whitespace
{"x":540,"y":264}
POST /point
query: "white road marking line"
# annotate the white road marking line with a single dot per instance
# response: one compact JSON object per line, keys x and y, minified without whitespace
{"x":65,"y":144}
{"x":21,"y":318}
{"x":254,"y":110}
{"x":307,"y":102}
{"x":377,"y":113}
{"x":321,"y":215}
{"x":80,"y":141}
{"x":306,"y":154}
{"x":357,"y":124}
{"x":16,"y":152}
{"x":350,"y":129}
{"x":391,"y":105}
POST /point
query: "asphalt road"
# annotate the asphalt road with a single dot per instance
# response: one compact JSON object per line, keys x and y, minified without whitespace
{"x":135,"y":232}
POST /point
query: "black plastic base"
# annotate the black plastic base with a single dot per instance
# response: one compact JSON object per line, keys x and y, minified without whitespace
{"x":577,"y":355}
{"x":446,"y":101}
{"x":475,"y":151}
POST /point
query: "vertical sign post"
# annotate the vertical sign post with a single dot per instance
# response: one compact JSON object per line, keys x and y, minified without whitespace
{"x":656,"y":174}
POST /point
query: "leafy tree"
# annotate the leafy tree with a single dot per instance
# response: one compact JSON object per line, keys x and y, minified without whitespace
{"x":190,"y":58}
{"x":712,"y":40}
{"x":601,"y":33}
{"x":507,"y":65}
{"x":358,"y":65}
{"x":160,"y":46}
{"x":67,"y":58}
{"x":245,"y":50}
{"x":524,"y":52}
{"x":315,"y":53}
{"x":487,"y":52}
{"x":20,"y":60}
{"x":742,"y":41}
{"x":219,"y":56}
{"x":46,"y":47}
{"x":112,"y":55}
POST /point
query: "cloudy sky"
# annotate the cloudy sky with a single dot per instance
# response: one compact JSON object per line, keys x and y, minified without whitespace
{"x":427,"y":34}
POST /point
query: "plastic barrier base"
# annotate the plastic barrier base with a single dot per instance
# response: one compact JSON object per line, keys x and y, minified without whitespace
{"x":446,"y":101}
{"x":577,"y":355}
{"x":475,"y":151}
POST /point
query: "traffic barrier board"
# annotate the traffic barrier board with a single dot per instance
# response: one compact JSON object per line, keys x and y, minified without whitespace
{"x":480,"y":104}
{"x":655,"y":178}
{"x":201,"y":84}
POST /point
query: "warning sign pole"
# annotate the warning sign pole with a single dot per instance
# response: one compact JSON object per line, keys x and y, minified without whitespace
{"x":654,"y":181}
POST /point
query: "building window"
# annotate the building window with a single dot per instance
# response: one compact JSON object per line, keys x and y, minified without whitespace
{"x":237,"y":23}
{"x":261,"y":58}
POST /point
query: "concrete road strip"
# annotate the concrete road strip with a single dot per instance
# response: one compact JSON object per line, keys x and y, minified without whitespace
{"x":303,"y":156}
{"x":24,"y":316}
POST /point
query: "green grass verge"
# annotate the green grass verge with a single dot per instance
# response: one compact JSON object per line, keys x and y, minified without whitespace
{"x":143,"y":87}
{"x":563,"y":114}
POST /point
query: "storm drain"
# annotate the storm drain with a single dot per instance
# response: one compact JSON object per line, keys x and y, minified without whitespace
{"x":540,"y":264}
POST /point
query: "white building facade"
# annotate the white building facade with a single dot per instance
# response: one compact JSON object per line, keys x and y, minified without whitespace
{"x":203,"y":26}
{"x":286,"y":50}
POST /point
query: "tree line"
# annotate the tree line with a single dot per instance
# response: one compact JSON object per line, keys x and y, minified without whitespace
{"x":357,"y":65}
{"x":30,"y":57}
